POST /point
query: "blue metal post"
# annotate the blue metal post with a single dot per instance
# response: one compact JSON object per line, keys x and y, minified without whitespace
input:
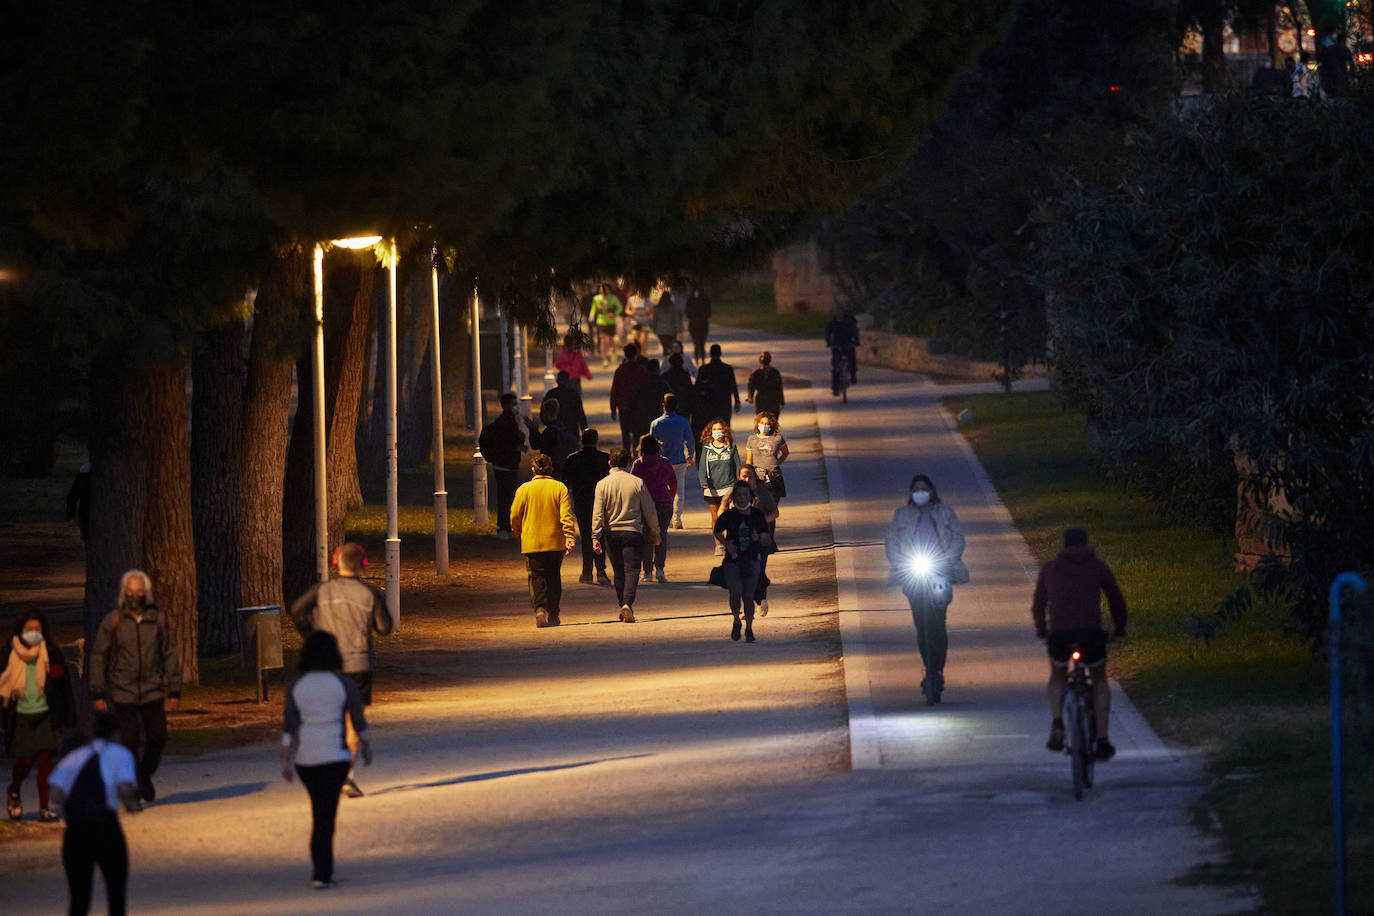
{"x":1344,"y":580}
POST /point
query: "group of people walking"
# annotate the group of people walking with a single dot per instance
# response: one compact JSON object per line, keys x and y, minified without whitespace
{"x":624,"y":315}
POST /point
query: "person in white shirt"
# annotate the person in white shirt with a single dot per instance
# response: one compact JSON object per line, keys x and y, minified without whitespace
{"x":313,"y":745}
{"x":89,"y":784}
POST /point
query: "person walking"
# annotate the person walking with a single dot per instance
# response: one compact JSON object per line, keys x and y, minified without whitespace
{"x":502,"y":443}
{"x":89,"y":785}
{"x":135,"y":667}
{"x":571,"y":360}
{"x":569,"y":398}
{"x":925,"y":550}
{"x":627,"y":377}
{"x":313,"y":747}
{"x":556,"y":440}
{"x":842,"y":337}
{"x":623,"y":519}
{"x":674,"y":433}
{"x":766,"y":450}
{"x":740,"y":531}
{"x":716,"y":387}
{"x":718,"y":467}
{"x":542,"y":518}
{"x":667,"y":322}
{"x":606,"y":310}
{"x":583,"y":470}
{"x":647,"y":400}
{"x":698,"y":312}
{"x":79,"y":501}
{"x":1067,"y":612}
{"x":765,"y":503}
{"x":658,"y":476}
{"x":765,"y":386}
{"x":639,"y":315}
{"x":351,"y":610}
{"x":36,"y":693}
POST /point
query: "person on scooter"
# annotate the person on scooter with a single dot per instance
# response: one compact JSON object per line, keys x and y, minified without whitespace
{"x":925,"y":551}
{"x":1069,"y":588}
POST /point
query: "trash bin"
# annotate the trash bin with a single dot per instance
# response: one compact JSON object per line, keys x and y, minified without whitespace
{"x":260,"y":643}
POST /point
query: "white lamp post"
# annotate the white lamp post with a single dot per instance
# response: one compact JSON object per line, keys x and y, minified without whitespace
{"x":479,"y":464}
{"x":440,"y":494}
{"x":393,"y":537}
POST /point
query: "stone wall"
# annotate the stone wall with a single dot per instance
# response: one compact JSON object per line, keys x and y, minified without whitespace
{"x":896,"y":351}
{"x":800,"y":284}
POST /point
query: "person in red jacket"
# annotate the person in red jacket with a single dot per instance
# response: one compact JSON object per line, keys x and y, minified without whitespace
{"x":1069,"y":588}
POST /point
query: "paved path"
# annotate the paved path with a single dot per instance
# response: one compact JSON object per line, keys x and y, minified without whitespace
{"x":659,"y":767}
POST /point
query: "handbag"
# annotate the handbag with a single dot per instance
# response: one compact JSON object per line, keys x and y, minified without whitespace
{"x":717,"y":576}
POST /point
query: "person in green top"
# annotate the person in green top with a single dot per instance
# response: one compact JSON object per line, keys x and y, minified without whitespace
{"x":606,"y":308}
{"x":36,"y":694}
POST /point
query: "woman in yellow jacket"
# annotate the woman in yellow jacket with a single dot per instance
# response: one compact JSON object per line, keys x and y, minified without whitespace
{"x":541,"y":516}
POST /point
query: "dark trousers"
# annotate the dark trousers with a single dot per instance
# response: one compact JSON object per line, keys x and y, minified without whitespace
{"x":505,"y":495}
{"x":584,"y":530}
{"x":152,"y":718}
{"x":324,"y":782}
{"x":698,"y":330}
{"x":627,"y":430}
{"x":22,"y":765}
{"x":546,"y":582}
{"x":666,"y":341}
{"x":931,"y":636}
{"x":83,"y":848}
{"x":741,"y":579}
{"x":657,"y":556}
{"x":624,"y":549}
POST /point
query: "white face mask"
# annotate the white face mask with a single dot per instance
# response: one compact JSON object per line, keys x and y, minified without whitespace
{"x":31,"y":637}
{"x":920,"y":497}
{"x":718,"y":434}
{"x":764,"y":429}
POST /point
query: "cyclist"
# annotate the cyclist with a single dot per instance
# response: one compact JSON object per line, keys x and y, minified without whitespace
{"x":1069,"y":588}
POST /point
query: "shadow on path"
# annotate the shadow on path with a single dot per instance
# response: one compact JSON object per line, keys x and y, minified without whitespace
{"x":501,"y":774}
{"x":201,"y":795}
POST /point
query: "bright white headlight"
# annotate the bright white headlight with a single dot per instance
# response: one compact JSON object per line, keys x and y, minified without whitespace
{"x":922,"y":565}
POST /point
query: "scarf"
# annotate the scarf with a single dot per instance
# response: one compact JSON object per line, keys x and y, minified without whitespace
{"x":15,"y":677}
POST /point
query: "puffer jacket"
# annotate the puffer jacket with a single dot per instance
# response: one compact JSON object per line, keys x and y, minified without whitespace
{"x":949,"y":538}
{"x":349,"y":608}
{"x":135,"y":661}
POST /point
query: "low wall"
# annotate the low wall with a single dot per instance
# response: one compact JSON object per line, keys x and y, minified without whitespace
{"x":896,"y":351}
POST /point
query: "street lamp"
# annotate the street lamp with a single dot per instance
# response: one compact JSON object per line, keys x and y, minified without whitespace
{"x":440,"y":493}
{"x":479,"y":463}
{"x":393,"y":536}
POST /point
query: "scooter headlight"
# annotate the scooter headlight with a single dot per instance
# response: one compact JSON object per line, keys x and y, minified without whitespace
{"x":922,"y":565}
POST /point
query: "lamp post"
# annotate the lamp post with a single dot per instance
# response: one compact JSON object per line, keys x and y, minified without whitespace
{"x":317,"y":361}
{"x":479,"y":464}
{"x":440,"y":494}
{"x":393,"y":538}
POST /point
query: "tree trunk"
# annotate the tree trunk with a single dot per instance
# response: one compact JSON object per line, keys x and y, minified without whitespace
{"x":216,"y":459}
{"x":283,"y":296}
{"x":373,"y":466}
{"x":141,"y":496}
{"x":348,"y":298}
{"x":415,"y":435}
{"x":457,"y":352}
{"x":1213,"y":22}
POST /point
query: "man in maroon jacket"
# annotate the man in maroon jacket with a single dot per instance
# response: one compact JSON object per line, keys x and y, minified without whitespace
{"x":1069,"y":587}
{"x":623,"y":384}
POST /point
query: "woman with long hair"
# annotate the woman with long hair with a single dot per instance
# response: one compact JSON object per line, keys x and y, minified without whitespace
{"x":313,"y":745}
{"x":739,"y":531}
{"x":571,"y":361}
{"x":37,"y":697}
{"x":766,"y":450}
{"x":925,"y":554}
{"x":718,"y":466}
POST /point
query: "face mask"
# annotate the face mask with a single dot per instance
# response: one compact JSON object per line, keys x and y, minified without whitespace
{"x":743,"y":496}
{"x":32,"y":637}
{"x":764,"y":429}
{"x":133,"y":601}
{"x":718,"y":434}
{"x":920,"y":497}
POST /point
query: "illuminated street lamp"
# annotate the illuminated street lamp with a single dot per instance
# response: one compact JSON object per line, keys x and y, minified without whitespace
{"x":440,"y":493}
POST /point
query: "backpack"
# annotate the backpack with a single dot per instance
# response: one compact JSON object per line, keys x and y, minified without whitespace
{"x":85,"y":805}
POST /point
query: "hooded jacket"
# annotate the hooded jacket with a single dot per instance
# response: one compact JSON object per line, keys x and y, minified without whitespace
{"x":949,"y":538}
{"x":135,"y":661}
{"x":1069,"y":587}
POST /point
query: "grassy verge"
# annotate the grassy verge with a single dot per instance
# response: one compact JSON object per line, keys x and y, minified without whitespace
{"x":1252,"y":697}
{"x":746,"y":304}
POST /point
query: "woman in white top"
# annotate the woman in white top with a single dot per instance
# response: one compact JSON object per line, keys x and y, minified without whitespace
{"x":313,"y":744}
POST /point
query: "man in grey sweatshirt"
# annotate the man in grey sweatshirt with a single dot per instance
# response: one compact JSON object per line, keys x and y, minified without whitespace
{"x":623,"y":519}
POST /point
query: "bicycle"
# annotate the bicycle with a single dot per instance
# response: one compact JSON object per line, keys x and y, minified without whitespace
{"x":839,"y":373}
{"x":1080,"y":723}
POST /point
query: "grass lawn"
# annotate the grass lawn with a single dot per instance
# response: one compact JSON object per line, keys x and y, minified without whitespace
{"x":747,"y":304}
{"x":1253,"y":697}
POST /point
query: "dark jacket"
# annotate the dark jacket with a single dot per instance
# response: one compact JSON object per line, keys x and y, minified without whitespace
{"x":135,"y":661}
{"x":765,"y":390}
{"x":647,"y":403}
{"x":842,"y":332}
{"x":716,"y":388}
{"x":502,"y":442}
{"x":680,"y":382}
{"x":570,"y":409}
{"x":556,"y":441}
{"x":581,"y":472}
{"x":1070,"y":586}
{"x":698,"y":308}
{"x":627,"y":377}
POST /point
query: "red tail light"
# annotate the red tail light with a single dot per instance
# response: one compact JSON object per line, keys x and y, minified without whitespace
{"x":1077,"y":655}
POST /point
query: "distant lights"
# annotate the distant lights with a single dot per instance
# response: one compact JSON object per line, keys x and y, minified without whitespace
{"x":1113,"y":88}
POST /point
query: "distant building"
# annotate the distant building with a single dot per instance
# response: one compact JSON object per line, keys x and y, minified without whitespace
{"x":800,"y":283}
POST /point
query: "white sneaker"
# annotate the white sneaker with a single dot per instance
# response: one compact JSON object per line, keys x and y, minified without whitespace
{"x":763,"y":608}
{"x":504,"y":535}
{"x":627,"y":614}
{"x":677,"y":523}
